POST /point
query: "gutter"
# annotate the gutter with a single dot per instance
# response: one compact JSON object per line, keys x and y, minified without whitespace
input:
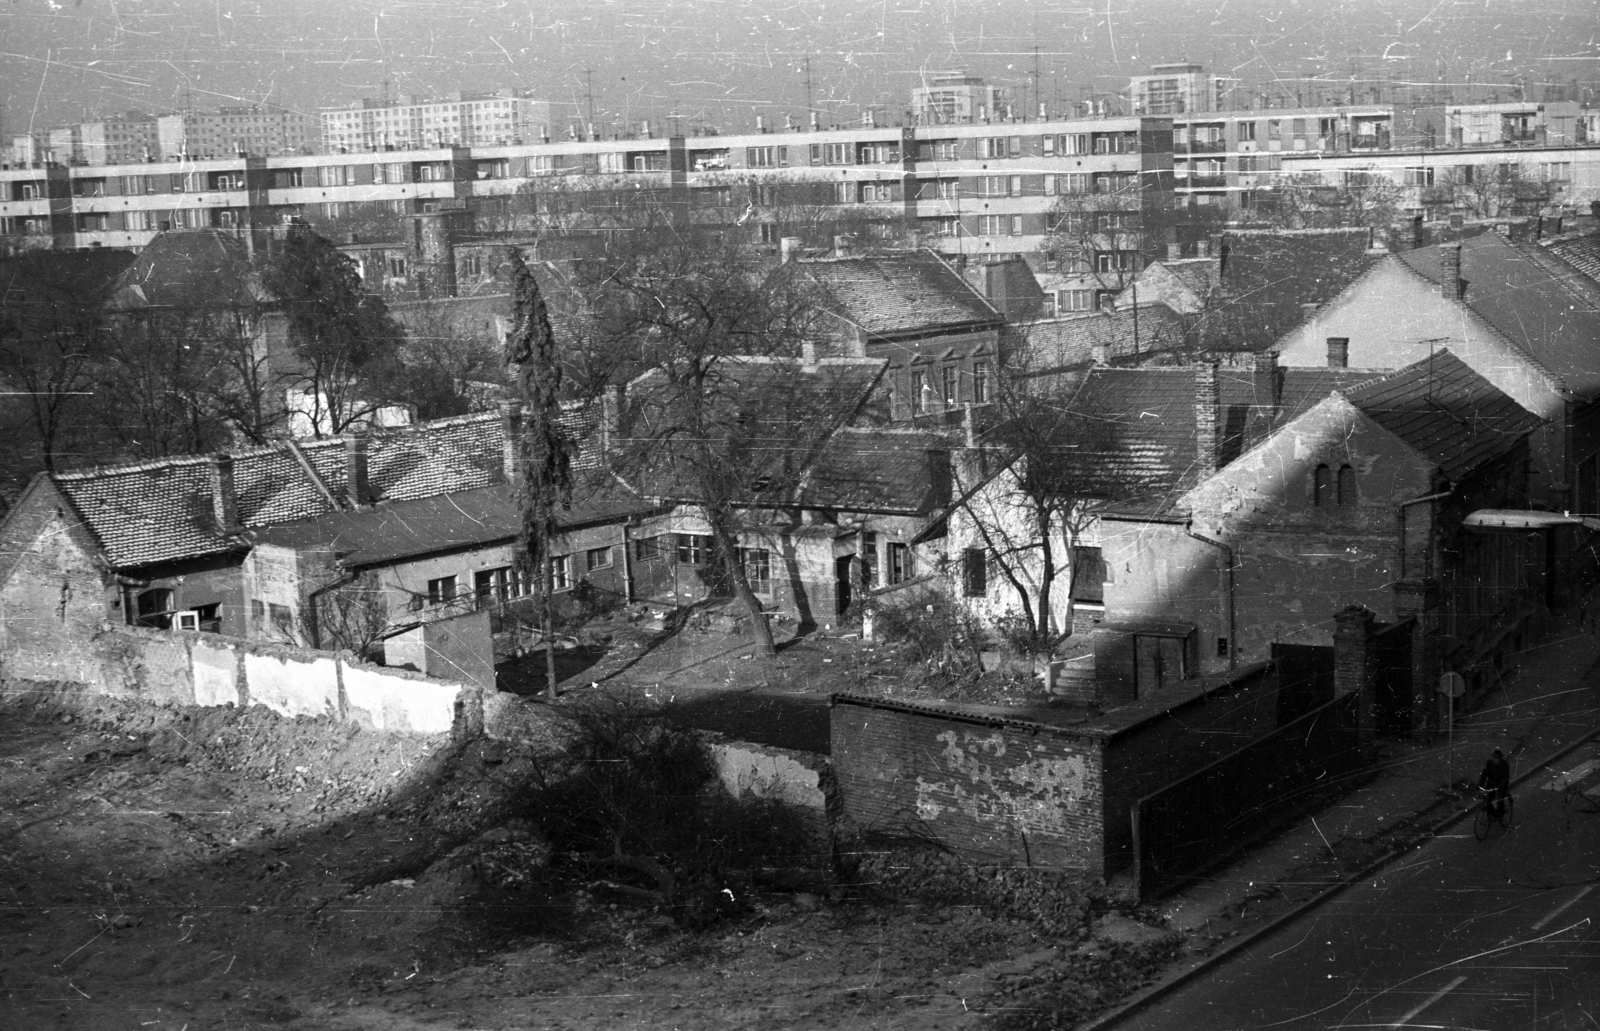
{"x":1400,"y":514}
{"x":1227,"y":553}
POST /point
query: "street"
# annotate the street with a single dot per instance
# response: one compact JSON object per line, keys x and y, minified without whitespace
{"x":1503,"y":933}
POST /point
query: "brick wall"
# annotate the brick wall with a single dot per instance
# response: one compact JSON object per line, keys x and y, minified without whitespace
{"x":989,"y":792}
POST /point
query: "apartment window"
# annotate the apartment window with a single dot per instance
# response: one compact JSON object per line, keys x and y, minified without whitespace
{"x":1247,"y":131}
{"x":397,"y":268}
{"x":993,"y":185}
{"x":1327,"y":126}
{"x":1346,"y":485}
{"x":1556,"y":171}
{"x":766,"y":157}
{"x":1048,"y":144}
{"x":899,"y":558}
{"x":948,"y":383}
{"x":974,"y":572}
{"x":560,"y":572}
{"x":1016,"y":186}
{"x":441,"y":590}
{"x":155,"y":608}
{"x":980,"y":382}
{"x":1073,"y":182}
{"x":943,"y":226}
{"x":694,"y":549}
{"x":1016,"y":225}
{"x":878,"y":153}
{"x":1073,"y":143}
{"x":472,"y":265}
{"x":497,"y":586}
{"x":1114,"y":261}
{"x":1421,"y":176}
{"x":1274,"y":129}
{"x":1321,"y":486}
{"x":598,"y":558}
{"x":757,"y":564}
{"x":992,"y":225}
{"x":939,"y":189}
{"x":991,"y":147}
{"x":30,"y":191}
{"x":919,"y":392}
{"x":877,"y":193}
{"x":1297,"y":126}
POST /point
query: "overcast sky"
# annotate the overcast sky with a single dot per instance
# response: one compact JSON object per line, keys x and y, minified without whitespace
{"x":728,"y":60}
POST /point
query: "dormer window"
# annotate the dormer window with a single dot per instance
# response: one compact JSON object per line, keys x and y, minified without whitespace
{"x":1347,"y":485}
{"x":1322,"y":487}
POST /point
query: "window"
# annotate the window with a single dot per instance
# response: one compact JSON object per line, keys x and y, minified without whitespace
{"x":991,"y":147}
{"x":1347,"y":485}
{"x":939,"y":189}
{"x":441,"y":590}
{"x":919,"y":392}
{"x":1274,"y":129}
{"x":974,"y":572}
{"x":497,"y":586}
{"x":948,"y":382}
{"x":1321,"y":486}
{"x":836,"y":153}
{"x":757,"y":564}
{"x":1247,"y":131}
{"x":1422,"y":176}
{"x":877,"y":154}
{"x":1114,"y":261}
{"x":397,"y":268}
{"x":943,"y":226}
{"x":1073,"y":143}
{"x":1088,"y":576}
{"x":766,"y":157}
{"x":993,"y":225}
{"x":980,"y":382}
{"x":1556,"y":171}
{"x":993,"y":185}
{"x":30,"y":191}
{"x":560,"y":572}
{"x":472,"y":265}
{"x":694,"y":549}
{"x":155,"y":608}
{"x":1073,"y":182}
{"x":877,"y":193}
{"x":869,"y":559}
{"x":899,"y":556}
{"x":598,"y":558}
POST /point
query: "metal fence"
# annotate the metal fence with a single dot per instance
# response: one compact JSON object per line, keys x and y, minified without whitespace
{"x":1213,"y":814}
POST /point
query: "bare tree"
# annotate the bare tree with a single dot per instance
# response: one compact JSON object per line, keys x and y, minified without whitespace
{"x":724,"y":416}
{"x":1352,"y":198}
{"x":351,"y":614}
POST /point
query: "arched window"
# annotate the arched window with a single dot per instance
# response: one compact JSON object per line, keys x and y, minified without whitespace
{"x":1322,"y":487}
{"x":1347,"y":485}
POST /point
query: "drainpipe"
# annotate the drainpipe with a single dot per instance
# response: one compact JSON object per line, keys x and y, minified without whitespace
{"x":1227,"y":554}
{"x":1400,"y":514}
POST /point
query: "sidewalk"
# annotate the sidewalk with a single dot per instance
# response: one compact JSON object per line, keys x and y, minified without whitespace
{"x":1546,"y":704}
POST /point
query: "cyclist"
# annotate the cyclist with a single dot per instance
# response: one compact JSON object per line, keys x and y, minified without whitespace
{"x":1495,"y":782}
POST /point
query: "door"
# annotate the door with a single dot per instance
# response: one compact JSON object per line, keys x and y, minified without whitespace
{"x":842,"y":568}
{"x":1391,"y":688}
{"x":1158,"y":663}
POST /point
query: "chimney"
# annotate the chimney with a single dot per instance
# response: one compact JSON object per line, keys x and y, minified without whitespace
{"x":1174,"y":251}
{"x":224,"y":501}
{"x":610,"y":417}
{"x":841,"y":246}
{"x":1207,"y":412}
{"x":1267,"y":381}
{"x":1338,"y":352}
{"x":789,"y":248}
{"x":355,"y":470}
{"x":1100,"y":354}
{"x":511,"y":441}
{"x":1450,"y":285}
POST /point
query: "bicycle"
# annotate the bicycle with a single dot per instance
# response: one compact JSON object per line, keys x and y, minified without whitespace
{"x":1484,"y":819}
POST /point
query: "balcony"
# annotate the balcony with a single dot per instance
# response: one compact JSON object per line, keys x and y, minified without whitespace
{"x":1199,"y":147}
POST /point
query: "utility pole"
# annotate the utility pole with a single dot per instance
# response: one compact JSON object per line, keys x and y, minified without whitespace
{"x":588,"y":74}
{"x":809,"y":109}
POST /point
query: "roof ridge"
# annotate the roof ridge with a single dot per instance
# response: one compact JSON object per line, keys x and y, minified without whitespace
{"x":147,"y":465}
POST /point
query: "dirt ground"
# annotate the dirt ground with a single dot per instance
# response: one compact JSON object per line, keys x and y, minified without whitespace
{"x":170,"y":868}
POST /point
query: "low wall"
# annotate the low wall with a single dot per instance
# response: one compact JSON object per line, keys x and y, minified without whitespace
{"x":749,"y":770}
{"x":209,"y":669}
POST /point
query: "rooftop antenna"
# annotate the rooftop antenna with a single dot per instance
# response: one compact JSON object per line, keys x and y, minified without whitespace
{"x":1036,"y":78}
{"x":810,"y":110}
{"x":588,"y":74}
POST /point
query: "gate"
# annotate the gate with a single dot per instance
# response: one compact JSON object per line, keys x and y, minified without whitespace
{"x":1391,"y":683}
{"x":1305,"y":679}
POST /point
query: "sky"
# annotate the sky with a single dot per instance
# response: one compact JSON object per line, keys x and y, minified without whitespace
{"x":727,"y":61}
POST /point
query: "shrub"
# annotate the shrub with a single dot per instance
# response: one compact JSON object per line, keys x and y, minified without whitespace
{"x":931,"y":627}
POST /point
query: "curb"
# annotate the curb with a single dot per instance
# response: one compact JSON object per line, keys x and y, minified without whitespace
{"x":1163,"y":988}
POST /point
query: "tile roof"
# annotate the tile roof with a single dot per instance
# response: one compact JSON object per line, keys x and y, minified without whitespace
{"x":1542,"y":305}
{"x":1303,"y":386}
{"x":1055,"y":344}
{"x":1581,"y":251}
{"x":877,"y":469}
{"x":199,"y":268}
{"x":1446,"y":411}
{"x":161,"y":511}
{"x":898,"y":294}
{"x":409,"y":529}
{"x":1267,"y":276}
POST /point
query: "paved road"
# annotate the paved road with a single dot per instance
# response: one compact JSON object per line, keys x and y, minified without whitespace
{"x":1503,"y":934}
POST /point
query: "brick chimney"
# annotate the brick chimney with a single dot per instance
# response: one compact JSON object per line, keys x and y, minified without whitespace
{"x":1338,"y":352}
{"x":1207,"y":419}
{"x":511,"y":441}
{"x":355,"y":470}
{"x":1450,"y":285}
{"x":1268,"y":383}
{"x":224,"y":499}
{"x":610,"y":418}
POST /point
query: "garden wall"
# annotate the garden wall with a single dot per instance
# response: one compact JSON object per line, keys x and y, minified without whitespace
{"x":210,"y":669}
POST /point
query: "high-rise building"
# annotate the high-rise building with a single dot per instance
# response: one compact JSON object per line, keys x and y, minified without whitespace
{"x":1173,"y":89}
{"x":123,"y":139}
{"x":259,"y":130}
{"x":955,"y":98}
{"x":457,"y":119}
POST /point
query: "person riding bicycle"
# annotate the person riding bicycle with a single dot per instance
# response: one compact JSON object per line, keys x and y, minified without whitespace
{"x":1495,"y":782}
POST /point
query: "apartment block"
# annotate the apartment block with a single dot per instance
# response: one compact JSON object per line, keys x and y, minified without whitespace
{"x":457,"y":119}
{"x":955,"y":98}
{"x":125,"y":139}
{"x":232,"y":131}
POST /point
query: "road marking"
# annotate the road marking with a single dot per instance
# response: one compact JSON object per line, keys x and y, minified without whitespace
{"x":1562,"y":908}
{"x":1429,"y":1001}
{"x":1562,"y":781}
